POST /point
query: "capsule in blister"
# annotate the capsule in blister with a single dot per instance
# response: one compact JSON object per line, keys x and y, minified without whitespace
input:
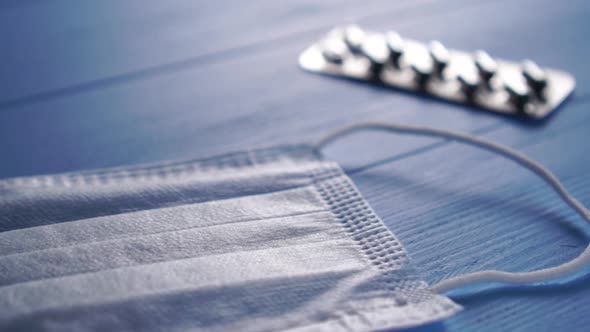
{"x":376,"y":51}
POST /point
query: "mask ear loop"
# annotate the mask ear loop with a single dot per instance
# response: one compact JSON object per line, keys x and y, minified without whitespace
{"x":489,"y":276}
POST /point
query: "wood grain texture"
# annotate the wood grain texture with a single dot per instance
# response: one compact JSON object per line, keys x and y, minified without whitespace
{"x":110,"y":83}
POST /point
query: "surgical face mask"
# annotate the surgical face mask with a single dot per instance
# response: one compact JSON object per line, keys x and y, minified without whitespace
{"x":261,"y":240}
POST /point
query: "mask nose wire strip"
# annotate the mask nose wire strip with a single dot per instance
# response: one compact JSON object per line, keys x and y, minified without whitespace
{"x":489,"y":276}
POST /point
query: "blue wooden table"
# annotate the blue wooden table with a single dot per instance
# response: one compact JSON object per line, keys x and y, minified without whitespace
{"x":107,"y":83}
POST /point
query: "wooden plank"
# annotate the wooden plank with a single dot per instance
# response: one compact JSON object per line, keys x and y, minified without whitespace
{"x":49,"y":52}
{"x":226,"y":105}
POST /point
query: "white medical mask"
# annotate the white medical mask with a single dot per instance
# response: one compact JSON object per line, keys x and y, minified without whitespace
{"x":261,"y":240}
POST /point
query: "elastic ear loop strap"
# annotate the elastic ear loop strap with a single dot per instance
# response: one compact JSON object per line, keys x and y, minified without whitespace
{"x":489,"y":276}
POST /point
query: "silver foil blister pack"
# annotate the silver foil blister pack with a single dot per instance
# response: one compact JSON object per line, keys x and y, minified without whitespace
{"x":473,"y":78}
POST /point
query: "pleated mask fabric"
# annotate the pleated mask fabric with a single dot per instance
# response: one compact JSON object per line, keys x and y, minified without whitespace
{"x":261,"y":240}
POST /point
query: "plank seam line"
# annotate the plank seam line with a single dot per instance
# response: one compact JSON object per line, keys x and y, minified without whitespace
{"x":434,"y":146}
{"x":429,"y":147}
{"x":191,"y":62}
